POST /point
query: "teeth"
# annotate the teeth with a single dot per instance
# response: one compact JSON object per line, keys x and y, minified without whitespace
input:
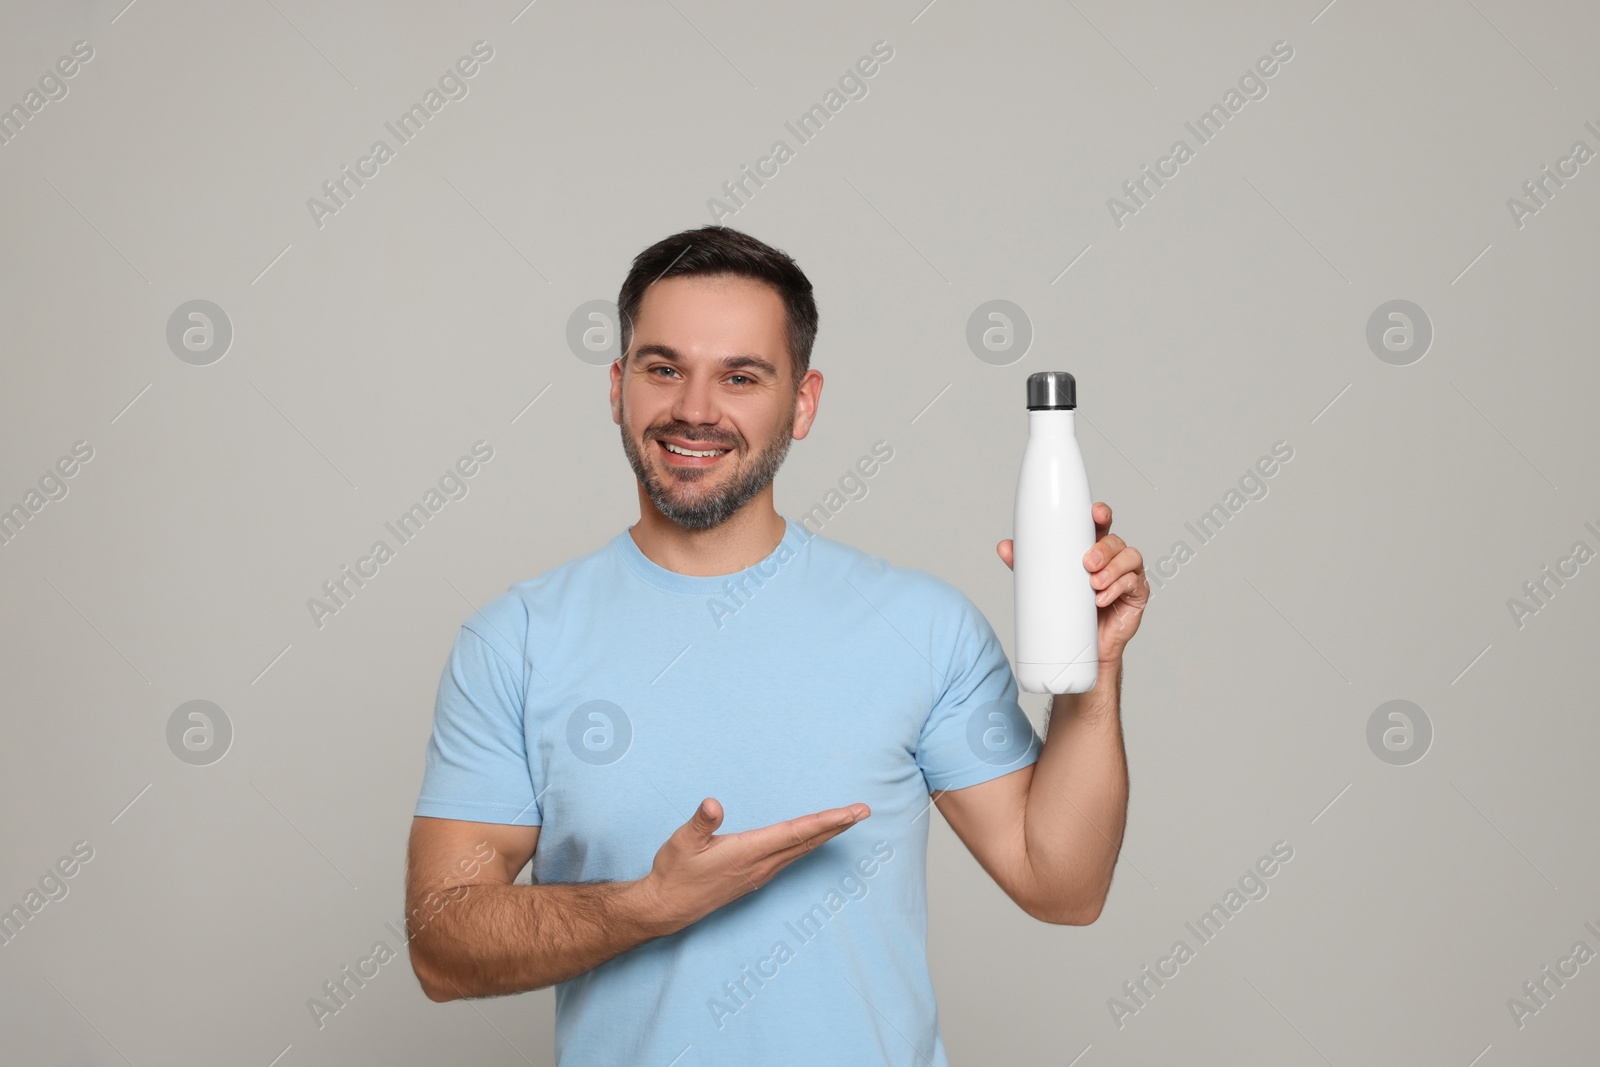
{"x":686,"y":452}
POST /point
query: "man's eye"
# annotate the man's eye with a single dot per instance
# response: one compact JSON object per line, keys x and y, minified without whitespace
{"x":743,"y":379}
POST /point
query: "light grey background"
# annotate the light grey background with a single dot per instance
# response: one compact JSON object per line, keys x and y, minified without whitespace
{"x":1229,"y":313}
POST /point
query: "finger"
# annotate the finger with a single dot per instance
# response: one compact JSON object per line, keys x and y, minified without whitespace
{"x":1103,"y":550}
{"x":758,"y":870}
{"x":1127,"y":583}
{"x":1124,"y":584}
{"x":757,"y":863}
{"x":1120,"y":563}
{"x":1101,"y":525}
{"x":767,"y":840}
{"x":783,"y":857}
{"x":788,"y":854}
{"x":706,"y":818}
{"x":1128,"y":561}
{"x":1007,"y":551}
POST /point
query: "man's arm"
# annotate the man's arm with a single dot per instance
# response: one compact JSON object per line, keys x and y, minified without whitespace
{"x":473,"y":933}
{"x":1049,"y":833}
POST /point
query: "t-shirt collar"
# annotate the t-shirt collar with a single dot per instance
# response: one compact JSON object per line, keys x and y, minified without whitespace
{"x":794,"y":536}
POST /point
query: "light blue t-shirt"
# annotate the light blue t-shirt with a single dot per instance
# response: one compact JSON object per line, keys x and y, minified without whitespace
{"x":603,"y":699}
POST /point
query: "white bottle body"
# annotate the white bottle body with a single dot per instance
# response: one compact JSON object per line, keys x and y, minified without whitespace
{"x":1058,"y":644}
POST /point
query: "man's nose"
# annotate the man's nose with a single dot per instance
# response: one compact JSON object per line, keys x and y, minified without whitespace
{"x":697,"y":401}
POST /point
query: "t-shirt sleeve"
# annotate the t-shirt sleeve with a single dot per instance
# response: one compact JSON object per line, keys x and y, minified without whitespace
{"x":976,"y":731}
{"x":477,"y":761}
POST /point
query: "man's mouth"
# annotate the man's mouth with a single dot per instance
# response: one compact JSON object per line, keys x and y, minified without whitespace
{"x":684,"y":455}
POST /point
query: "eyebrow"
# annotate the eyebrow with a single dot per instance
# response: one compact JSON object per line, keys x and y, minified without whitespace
{"x":670,"y":354}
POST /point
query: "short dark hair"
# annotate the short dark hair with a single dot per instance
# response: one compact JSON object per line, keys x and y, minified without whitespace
{"x":714,"y":250}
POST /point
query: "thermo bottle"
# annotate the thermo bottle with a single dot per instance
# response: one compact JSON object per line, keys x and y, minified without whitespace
{"x":1057,"y":619}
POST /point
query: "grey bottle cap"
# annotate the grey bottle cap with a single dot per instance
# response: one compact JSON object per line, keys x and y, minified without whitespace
{"x":1052,"y":390}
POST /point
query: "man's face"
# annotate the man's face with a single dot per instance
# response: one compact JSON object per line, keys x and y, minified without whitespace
{"x":708,"y":370}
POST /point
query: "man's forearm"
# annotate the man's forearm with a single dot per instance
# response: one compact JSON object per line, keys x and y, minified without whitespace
{"x":497,"y":939}
{"x":1078,"y":800}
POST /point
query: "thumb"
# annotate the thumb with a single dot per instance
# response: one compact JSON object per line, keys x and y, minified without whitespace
{"x":707,"y":817}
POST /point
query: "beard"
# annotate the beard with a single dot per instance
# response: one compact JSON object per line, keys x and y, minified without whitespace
{"x":679,"y":494}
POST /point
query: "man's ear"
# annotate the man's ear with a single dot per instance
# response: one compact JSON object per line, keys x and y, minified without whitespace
{"x":808,"y":397}
{"x":616,"y":391}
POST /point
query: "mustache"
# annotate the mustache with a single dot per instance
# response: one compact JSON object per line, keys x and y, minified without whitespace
{"x":692,"y":437}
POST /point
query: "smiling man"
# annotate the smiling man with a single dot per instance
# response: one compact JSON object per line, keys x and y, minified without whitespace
{"x":599,"y":721}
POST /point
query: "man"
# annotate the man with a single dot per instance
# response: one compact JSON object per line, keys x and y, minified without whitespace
{"x":717,"y":666}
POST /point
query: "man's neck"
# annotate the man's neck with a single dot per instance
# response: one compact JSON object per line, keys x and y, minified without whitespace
{"x":742,"y":541}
